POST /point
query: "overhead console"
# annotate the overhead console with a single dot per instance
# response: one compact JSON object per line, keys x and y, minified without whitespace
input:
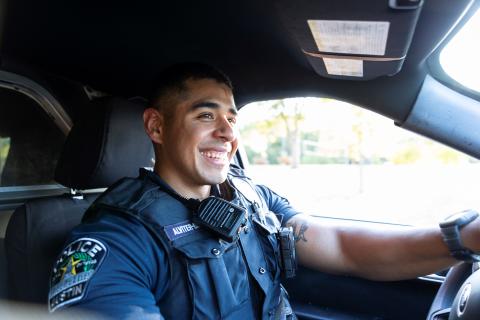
{"x":351,"y":39}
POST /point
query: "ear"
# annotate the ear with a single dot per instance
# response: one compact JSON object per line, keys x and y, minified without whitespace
{"x":153,"y":122}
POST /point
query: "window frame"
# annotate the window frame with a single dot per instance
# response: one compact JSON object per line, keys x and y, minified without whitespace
{"x":14,"y":196}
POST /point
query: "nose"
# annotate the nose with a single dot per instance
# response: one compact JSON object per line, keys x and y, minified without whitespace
{"x":225,"y":130}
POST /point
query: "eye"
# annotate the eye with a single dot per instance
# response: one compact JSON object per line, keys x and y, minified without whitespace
{"x":232,"y":120}
{"x":206,"y":115}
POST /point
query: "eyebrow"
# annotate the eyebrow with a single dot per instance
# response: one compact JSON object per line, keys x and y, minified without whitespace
{"x":211,"y":105}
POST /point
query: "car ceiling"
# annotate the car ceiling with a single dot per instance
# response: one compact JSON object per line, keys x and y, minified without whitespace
{"x":118,"y":47}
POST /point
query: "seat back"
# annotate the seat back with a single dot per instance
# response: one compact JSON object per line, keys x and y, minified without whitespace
{"x":102,"y":147}
{"x":35,"y":236}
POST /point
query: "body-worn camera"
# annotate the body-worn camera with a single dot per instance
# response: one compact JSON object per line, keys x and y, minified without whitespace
{"x":288,"y":260}
{"x":222,"y":217}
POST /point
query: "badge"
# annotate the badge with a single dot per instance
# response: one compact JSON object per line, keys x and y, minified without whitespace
{"x":73,"y":269}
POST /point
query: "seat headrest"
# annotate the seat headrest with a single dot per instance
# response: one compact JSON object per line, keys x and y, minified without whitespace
{"x":107,"y":143}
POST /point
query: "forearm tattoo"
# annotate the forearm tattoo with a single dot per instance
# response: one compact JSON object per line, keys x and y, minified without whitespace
{"x":299,"y":231}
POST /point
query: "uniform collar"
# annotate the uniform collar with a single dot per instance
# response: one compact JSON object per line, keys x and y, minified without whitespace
{"x":155,"y":178}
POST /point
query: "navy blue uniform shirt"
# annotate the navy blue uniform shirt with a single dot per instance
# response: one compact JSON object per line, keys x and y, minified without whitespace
{"x":129,"y":269}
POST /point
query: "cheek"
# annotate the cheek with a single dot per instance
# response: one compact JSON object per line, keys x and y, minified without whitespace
{"x":187,"y":141}
{"x":188,"y":137}
{"x":182,"y":134}
{"x":234,"y":147}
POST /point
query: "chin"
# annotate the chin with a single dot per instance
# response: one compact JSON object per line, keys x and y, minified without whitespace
{"x":216,"y":177}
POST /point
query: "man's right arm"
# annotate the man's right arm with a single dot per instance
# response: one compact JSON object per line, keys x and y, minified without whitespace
{"x":370,"y":253}
{"x":112,"y":267}
{"x":375,"y":253}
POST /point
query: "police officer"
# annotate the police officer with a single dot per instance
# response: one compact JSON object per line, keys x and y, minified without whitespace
{"x":149,"y":248}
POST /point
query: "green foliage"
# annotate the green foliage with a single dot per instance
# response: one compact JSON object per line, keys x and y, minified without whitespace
{"x":376,"y":160}
{"x":448,"y":156}
{"x":4,"y":148}
{"x":274,"y":151}
{"x":410,"y":154}
{"x":288,"y":138}
{"x":310,"y":135}
{"x":323,"y":160}
{"x":253,"y":156}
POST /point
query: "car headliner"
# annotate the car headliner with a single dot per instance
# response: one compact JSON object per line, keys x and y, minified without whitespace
{"x":118,"y":47}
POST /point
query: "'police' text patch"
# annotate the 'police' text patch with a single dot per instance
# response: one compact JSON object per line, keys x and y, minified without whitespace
{"x":73,"y":269}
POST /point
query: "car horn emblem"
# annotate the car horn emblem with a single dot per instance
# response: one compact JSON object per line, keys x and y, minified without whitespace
{"x":462,"y":302}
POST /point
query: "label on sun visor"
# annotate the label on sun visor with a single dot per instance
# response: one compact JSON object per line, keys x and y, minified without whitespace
{"x":344,"y":67}
{"x":351,"y":37}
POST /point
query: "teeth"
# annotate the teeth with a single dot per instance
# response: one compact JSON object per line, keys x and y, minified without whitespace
{"x":214,"y":155}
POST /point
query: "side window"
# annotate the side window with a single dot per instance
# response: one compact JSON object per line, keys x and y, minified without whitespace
{"x":460,"y":55}
{"x":30,"y":142}
{"x":333,"y":159}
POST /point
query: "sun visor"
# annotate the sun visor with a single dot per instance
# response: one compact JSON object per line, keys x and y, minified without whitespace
{"x":357,"y":40}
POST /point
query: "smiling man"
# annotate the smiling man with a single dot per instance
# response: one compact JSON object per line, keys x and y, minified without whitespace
{"x":195,"y":135}
{"x":159,"y":257}
{"x":197,"y":239}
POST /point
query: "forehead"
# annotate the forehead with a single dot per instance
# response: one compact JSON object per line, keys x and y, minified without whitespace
{"x":198,"y":93}
{"x":206,"y":89}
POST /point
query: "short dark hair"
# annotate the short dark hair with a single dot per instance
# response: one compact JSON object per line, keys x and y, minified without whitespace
{"x":175,"y":76}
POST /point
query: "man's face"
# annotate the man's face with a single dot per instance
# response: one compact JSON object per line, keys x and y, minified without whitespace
{"x":200,"y":137}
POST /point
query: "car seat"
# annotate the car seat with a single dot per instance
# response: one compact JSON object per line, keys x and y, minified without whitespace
{"x":106,"y":144}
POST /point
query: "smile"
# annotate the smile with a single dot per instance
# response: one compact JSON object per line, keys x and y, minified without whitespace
{"x":222,"y":156}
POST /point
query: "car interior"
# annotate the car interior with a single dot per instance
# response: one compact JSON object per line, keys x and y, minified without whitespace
{"x":75,"y":78}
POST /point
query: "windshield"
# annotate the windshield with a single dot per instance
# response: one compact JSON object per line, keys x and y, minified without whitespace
{"x":333,"y":159}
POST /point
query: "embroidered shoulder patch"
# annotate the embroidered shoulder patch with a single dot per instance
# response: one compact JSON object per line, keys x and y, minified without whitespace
{"x":73,"y":269}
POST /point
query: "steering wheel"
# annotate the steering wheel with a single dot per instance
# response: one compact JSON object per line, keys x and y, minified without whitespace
{"x":459,"y":296}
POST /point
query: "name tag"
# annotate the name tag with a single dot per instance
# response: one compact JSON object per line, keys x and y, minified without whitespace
{"x":181,"y":229}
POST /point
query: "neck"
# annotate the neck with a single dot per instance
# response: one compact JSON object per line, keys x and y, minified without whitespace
{"x":187,"y":191}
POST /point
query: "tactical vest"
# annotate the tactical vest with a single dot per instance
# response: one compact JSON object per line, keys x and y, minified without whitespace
{"x":209,"y":278}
